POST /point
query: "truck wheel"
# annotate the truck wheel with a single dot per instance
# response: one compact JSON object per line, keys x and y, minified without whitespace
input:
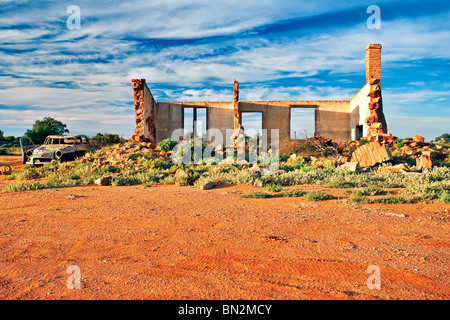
{"x":24,"y":157}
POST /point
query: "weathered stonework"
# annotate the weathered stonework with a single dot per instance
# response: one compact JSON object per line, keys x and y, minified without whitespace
{"x":144,"y":110}
{"x":375,"y":121}
{"x":237,"y":123}
{"x":339,"y":120}
{"x":373,"y":62}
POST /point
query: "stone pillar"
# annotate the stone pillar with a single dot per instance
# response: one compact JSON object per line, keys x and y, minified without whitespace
{"x":376,"y":120}
{"x":144,"y":111}
{"x":237,"y":123}
{"x":373,"y":62}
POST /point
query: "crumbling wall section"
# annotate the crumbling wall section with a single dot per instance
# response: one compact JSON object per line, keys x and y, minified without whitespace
{"x":375,"y":121}
{"x":144,"y":111}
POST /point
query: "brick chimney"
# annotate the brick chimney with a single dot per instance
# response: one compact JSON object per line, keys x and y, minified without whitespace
{"x":373,"y":62}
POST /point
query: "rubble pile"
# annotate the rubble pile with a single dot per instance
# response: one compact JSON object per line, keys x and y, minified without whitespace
{"x":125,"y":154}
{"x":384,"y":147}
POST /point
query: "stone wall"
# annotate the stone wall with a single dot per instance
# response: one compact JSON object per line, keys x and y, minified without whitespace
{"x":144,"y":111}
{"x":334,"y":119}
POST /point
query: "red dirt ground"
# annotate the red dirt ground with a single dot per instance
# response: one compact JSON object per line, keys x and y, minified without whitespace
{"x":168,"y":242}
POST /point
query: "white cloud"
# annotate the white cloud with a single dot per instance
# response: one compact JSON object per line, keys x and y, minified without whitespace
{"x":64,"y":72}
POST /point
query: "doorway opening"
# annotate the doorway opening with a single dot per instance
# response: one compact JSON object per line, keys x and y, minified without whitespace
{"x":302,"y":122}
{"x":195,"y":121}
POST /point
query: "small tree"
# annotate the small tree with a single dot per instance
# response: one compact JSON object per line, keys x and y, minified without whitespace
{"x":1,"y":135}
{"x":107,"y":139}
{"x":45,"y":127}
{"x":444,"y":137}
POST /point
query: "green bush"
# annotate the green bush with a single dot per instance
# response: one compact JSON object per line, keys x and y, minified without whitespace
{"x":168,"y":180}
{"x":389,"y":199}
{"x":341,"y":184}
{"x":363,"y":142}
{"x":124,"y":181}
{"x":154,"y":163}
{"x":166,"y":145}
{"x":22,"y":186}
{"x":255,"y":195}
{"x":62,"y":182}
{"x":273,"y":187}
{"x":318,"y":196}
{"x":105,"y":139}
{"x":444,"y":197}
{"x":369,"y":191}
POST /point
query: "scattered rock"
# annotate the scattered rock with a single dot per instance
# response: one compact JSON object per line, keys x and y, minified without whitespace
{"x":418,"y":138}
{"x":6,"y":170}
{"x":208,"y":185}
{"x":402,"y":167}
{"x":260,"y":183}
{"x":401,"y":215}
{"x":350,"y":166}
{"x":255,"y":168}
{"x":371,"y":154}
{"x":424,"y":161}
{"x":180,"y":173}
{"x":104,"y":181}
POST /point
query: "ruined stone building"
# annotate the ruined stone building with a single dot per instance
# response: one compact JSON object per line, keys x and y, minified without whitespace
{"x":338,"y":120}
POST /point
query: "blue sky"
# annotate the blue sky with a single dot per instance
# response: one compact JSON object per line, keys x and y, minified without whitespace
{"x":194,"y":50}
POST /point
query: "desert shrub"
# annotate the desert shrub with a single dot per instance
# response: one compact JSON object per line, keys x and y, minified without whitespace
{"x":296,"y":177}
{"x":22,"y":186}
{"x":166,"y":145}
{"x":273,"y":187}
{"x":304,"y":147}
{"x":62,"y":182}
{"x":134,"y":156}
{"x":149,"y":184}
{"x":369,"y":191}
{"x":74,"y":177}
{"x":149,"y":177}
{"x":255,"y":195}
{"x":318,"y":196}
{"x":232,"y":175}
{"x":389,"y":199}
{"x":362,"y":142}
{"x":426,"y":190}
{"x":444,"y":197}
{"x":153,"y":163}
{"x":439,"y":174}
{"x":300,"y":163}
{"x":125,"y":181}
{"x":292,"y":193}
{"x":109,"y":169}
{"x":28,"y":173}
{"x":168,"y":180}
{"x":340,"y":184}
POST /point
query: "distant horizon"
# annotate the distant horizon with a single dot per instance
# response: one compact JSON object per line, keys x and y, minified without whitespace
{"x":294,"y":50}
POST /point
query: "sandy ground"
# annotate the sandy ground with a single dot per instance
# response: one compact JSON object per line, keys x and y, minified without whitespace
{"x":168,"y":242}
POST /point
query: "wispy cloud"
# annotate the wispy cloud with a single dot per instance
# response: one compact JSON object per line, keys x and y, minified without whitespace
{"x":194,"y":51}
